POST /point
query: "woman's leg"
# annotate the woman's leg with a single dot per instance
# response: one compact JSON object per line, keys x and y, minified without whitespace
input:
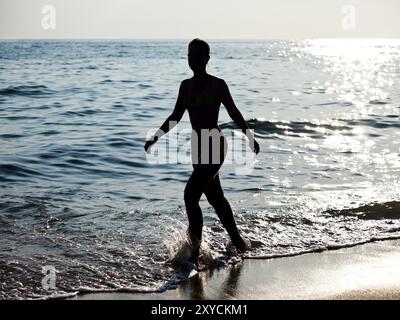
{"x":216,"y":198}
{"x":201,"y":176}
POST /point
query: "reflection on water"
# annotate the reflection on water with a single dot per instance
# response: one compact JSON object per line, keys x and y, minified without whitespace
{"x":225,"y":284}
{"x":361,"y":72}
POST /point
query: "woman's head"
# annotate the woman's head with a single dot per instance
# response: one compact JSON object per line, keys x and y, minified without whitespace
{"x":198,"y":55}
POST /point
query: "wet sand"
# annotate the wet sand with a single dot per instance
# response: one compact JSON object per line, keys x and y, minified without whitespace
{"x":369,"y":271}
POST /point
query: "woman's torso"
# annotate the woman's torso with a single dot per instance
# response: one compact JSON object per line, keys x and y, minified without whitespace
{"x":203,"y":101}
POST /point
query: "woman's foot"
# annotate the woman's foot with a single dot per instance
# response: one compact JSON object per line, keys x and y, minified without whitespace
{"x":240,"y":245}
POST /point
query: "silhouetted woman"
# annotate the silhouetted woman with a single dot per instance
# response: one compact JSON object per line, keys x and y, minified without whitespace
{"x":202,"y":95}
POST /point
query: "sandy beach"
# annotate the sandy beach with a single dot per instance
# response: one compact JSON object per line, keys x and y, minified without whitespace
{"x":369,"y":271}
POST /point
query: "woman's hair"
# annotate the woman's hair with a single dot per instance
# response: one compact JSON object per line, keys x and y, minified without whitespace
{"x":202,"y":45}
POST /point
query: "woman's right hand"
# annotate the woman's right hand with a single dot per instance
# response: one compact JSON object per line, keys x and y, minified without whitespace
{"x":149,"y":143}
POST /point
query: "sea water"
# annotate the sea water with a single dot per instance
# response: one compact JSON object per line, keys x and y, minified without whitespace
{"x":78,"y":194}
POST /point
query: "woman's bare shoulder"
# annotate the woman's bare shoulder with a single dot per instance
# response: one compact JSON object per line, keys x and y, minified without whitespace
{"x":216,"y":79}
{"x":219,"y":83}
{"x":185,"y":81}
{"x":184,"y":85}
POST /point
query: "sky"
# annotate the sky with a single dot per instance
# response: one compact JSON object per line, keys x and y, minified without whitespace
{"x":208,"y":19}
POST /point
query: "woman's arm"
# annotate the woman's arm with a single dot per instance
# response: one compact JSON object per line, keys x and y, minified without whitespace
{"x":237,"y":117}
{"x":171,"y":121}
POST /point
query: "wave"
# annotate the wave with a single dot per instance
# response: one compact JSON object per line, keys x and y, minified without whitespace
{"x":323,"y":248}
{"x":85,"y":112}
{"x":373,"y":211}
{"x":11,"y":136}
{"x":316,"y":130}
{"x":17,"y":170}
{"x":183,"y":275}
{"x":89,"y":290}
{"x":27,"y":91}
{"x":133,"y":274}
{"x":377,"y":122}
{"x":289,"y":128}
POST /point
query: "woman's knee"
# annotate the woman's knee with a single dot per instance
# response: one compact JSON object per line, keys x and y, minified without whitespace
{"x":216,"y":201}
{"x":190,"y":195}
